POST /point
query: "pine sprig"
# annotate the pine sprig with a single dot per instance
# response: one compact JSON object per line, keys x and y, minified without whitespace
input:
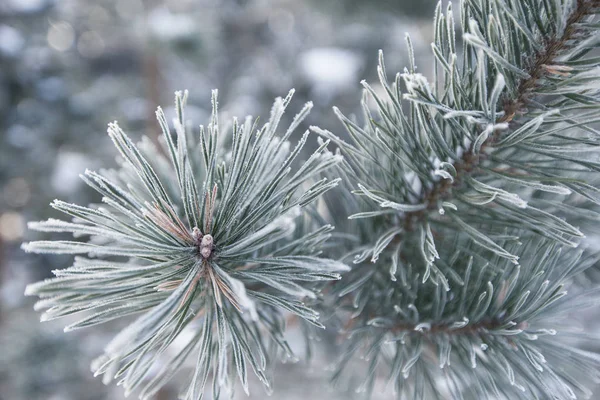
{"x":209,"y":241}
{"x":469,"y":192}
{"x":503,"y":331}
{"x":542,"y":66}
{"x":487,"y":146}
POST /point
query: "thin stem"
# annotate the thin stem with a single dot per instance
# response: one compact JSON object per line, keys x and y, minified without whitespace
{"x":476,"y":328}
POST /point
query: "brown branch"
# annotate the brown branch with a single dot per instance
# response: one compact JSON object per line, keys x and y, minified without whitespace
{"x":470,"y":160}
{"x":474,"y":329}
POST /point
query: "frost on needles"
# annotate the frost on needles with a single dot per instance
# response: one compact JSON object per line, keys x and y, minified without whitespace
{"x":206,"y":239}
{"x":471,"y":192}
{"x":463,"y":207}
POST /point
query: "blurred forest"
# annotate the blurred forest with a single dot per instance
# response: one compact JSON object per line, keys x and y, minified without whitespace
{"x":69,"y":67}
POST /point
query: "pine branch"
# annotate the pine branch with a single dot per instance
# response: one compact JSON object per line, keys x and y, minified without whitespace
{"x":469,"y":301}
{"x":460,"y":150}
{"x":447,"y":328}
{"x":503,"y":332}
{"x":539,"y":69}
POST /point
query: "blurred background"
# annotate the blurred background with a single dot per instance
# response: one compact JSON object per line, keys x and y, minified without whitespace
{"x":69,"y":67}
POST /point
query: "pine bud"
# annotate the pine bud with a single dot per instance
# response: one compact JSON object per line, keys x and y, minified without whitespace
{"x":207,"y":241}
{"x":196,"y":234}
{"x":205,"y":252}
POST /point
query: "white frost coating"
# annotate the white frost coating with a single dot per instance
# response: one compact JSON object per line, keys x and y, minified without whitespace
{"x":500,"y":193}
{"x":502,"y":126}
{"x":415,"y":183}
{"x":483,"y":136}
{"x":447,"y":204}
{"x":413,"y":82}
{"x":245,"y":302}
{"x":469,"y":115}
{"x":443,"y":174}
{"x":386,"y":203}
{"x":423,"y":326}
{"x":500,"y":82}
{"x":460,"y":324}
{"x":448,"y":166}
{"x":466,"y":142}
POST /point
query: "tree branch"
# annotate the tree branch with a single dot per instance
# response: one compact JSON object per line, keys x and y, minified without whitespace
{"x":470,"y":160}
{"x":473,"y":329}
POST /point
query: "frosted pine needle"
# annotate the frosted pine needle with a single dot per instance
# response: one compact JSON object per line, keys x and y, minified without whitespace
{"x":209,"y":241}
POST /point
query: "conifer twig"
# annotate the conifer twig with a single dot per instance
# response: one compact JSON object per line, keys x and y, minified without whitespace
{"x":538,"y":69}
